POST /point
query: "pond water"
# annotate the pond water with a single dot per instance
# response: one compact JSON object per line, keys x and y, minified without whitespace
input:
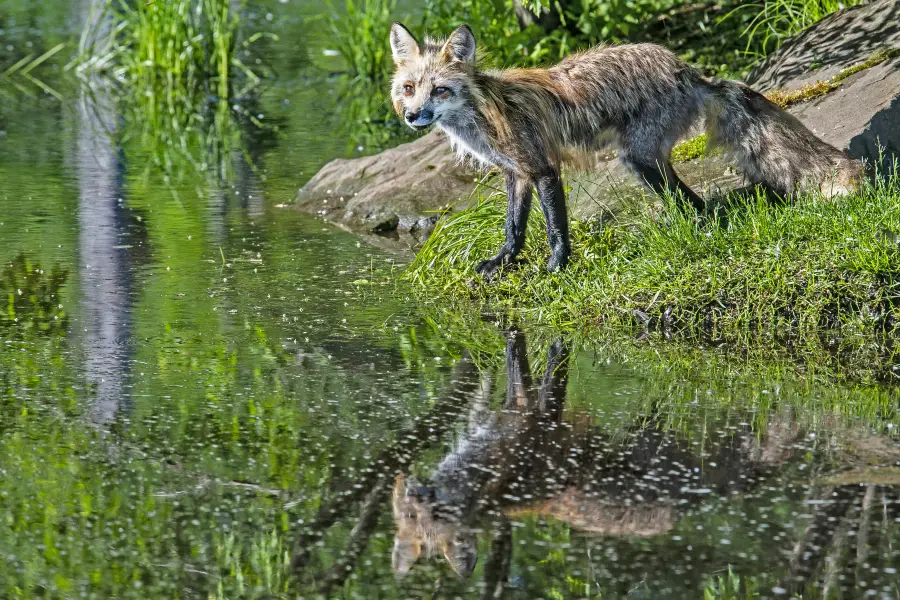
{"x":206,"y":394}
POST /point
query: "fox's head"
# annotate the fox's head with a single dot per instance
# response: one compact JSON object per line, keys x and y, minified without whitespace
{"x":420,"y":530}
{"x":432,"y":81}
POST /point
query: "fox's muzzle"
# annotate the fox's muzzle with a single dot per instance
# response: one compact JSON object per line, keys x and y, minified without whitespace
{"x":421,"y":119}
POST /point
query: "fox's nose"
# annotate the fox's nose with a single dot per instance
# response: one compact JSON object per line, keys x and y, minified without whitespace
{"x":421,"y":118}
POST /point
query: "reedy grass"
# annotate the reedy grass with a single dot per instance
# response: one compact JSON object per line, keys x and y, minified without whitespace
{"x":777,"y":20}
{"x":178,"y":78}
{"x":755,"y":268}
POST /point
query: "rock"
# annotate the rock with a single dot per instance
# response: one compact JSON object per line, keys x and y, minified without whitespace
{"x":865,"y":111}
{"x":393,"y":190}
{"x":402,"y":190}
{"x":840,"y":40}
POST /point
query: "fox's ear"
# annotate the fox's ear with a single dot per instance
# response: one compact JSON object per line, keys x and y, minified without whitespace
{"x":461,"y":45}
{"x":403,"y":45}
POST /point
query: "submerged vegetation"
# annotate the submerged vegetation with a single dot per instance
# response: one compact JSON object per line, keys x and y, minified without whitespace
{"x":750,"y":267}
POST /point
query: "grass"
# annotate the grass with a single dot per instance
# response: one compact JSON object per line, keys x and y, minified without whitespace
{"x":774,"y":21}
{"x":178,"y":78}
{"x":761,"y":269}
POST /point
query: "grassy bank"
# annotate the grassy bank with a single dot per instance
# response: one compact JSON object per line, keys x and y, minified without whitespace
{"x":755,"y":268}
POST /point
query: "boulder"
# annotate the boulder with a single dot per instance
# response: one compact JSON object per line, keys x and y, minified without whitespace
{"x":863,"y":114}
{"x":404,"y":189}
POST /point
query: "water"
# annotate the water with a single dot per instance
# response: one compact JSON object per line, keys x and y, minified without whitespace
{"x":208,"y":395}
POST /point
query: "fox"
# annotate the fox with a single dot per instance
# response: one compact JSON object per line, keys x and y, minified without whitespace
{"x":640,"y":97}
{"x":527,"y":459}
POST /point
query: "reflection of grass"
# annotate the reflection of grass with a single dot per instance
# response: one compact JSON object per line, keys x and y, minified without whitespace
{"x":22,"y":70}
{"x":32,"y":296}
{"x":176,"y":65}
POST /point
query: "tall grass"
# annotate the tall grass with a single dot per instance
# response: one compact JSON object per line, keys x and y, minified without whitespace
{"x":777,"y":20}
{"x":175,"y":65}
{"x":776,"y":270}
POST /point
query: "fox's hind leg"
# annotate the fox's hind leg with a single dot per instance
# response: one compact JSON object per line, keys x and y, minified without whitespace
{"x":553,"y":203}
{"x":661,"y":177}
{"x":518,"y":194}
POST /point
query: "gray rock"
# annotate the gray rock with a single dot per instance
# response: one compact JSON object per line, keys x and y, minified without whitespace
{"x":402,"y":190}
{"x":398,"y":189}
{"x":840,"y":40}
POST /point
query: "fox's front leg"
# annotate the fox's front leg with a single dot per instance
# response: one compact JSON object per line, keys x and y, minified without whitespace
{"x":553,"y":203}
{"x":518,"y":194}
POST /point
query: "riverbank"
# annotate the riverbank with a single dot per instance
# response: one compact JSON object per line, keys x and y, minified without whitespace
{"x":749,"y":268}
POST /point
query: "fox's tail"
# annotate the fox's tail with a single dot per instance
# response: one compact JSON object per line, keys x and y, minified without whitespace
{"x":772,"y":147}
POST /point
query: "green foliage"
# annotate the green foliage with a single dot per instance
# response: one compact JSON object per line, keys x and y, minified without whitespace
{"x":180,"y":80}
{"x":762,"y":268}
{"x":775,"y":21}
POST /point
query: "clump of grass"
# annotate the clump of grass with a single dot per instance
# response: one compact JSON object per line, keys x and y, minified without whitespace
{"x":777,"y":20}
{"x":793,"y":268}
{"x":176,"y":65}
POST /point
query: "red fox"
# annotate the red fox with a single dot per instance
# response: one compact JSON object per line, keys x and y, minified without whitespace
{"x":527,"y":122}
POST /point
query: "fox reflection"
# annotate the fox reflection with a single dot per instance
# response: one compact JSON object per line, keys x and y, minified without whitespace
{"x":524,"y":459}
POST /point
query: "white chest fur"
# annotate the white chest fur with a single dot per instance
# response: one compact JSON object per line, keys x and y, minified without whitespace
{"x":469,"y":143}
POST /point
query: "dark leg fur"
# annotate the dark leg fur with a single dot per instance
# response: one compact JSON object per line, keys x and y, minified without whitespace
{"x":553,"y":203}
{"x":665,"y":179}
{"x":518,"y":193}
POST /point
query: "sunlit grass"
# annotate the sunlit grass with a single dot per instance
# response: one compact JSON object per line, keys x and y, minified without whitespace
{"x":178,"y":78}
{"x":788,"y":269}
{"x":775,"y":21}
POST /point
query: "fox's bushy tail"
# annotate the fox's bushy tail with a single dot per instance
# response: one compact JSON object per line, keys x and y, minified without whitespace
{"x":772,"y":147}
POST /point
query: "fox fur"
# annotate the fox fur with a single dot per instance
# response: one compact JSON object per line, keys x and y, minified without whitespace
{"x":528,"y":122}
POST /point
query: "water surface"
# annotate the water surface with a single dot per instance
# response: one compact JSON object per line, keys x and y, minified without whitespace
{"x":205,"y":394}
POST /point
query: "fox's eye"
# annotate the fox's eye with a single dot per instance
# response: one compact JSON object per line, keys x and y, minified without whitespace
{"x":409,"y":89}
{"x":443,"y":91}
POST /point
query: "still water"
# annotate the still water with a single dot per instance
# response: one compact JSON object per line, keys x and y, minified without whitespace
{"x":208,"y":395}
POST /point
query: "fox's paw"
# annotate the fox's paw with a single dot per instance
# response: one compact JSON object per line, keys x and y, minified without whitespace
{"x":488,"y":268}
{"x":558,"y":260}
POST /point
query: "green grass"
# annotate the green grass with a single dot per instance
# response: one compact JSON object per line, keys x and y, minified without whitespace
{"x":788,"y":270}
{"x":774,"y":21}
{"x":175,"y":69}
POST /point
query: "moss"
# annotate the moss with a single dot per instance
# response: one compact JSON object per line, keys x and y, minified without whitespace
{"x":690,"y":149}
{"x":806,"y":93}
{"x":879,"y":57}
{"x":818,"y":89}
